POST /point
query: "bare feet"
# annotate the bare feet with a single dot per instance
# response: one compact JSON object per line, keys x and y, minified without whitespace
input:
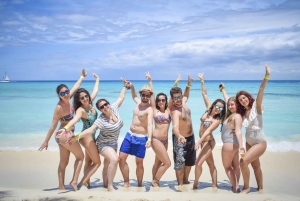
{"x":195,"y":186}
{"x":74,"y":185}
{"x":126,"y":184}
{"x":155,"y":183}
{"x":186,"y":182}
{"x":110,"y":188}
{"x":245,"y":191}
{"x":236,"y":191}
{"x":62,"y":189}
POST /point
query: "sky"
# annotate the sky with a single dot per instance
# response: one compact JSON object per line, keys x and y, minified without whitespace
{"x":225,"y":40}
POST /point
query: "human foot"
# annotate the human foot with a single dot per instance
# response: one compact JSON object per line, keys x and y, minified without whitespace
{"x":74,"y":185}
{"x":126,"y":184}
{"x":195,"y":186}
{"x":245,"y":191}
{"x":155,"y":183}
{"x":110,"y":188}
{"x":186,"y":182}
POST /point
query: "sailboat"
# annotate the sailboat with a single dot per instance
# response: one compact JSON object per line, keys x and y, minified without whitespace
{"x":5,"y":78}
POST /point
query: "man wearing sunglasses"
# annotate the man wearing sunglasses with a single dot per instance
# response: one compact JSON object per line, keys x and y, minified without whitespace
{"x":139,"y":136}
{"x":183,"y":134}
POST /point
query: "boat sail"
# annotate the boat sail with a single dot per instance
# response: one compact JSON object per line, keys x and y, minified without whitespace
{"x":5,"y":78}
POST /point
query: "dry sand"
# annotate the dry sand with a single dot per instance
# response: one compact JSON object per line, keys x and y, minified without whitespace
{"x":32,"y":175}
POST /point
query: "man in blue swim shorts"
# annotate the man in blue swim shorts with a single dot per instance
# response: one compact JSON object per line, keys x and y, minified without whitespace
{"x":138,"y":138}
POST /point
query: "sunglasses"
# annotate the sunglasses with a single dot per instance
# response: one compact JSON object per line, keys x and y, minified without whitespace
{"x":62,"y":94}
{"x":161,"y":100}
{"x":85,"y":96}
{"x":146,"y":95}
{"x":102,"y":106}
{"x":218,"y":107}
{"x":176,"y":98}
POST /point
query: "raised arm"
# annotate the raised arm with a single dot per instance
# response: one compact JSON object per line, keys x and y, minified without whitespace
{"x":78,"y":83}
{"x":55,"y":120}
{"x":152,"y":98}
{"x":123,"y":92}
{"x":204,"y":92}
{"x":186,"y":93}
{"x":170,"y":104}
{"x":222,"y":89}
{"x":262,"y":87}
{"x":133,"y":94}
{"x":96,"y":87}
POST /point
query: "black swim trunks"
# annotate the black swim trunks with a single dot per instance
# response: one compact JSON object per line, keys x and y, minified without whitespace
{"x":189,"y":153}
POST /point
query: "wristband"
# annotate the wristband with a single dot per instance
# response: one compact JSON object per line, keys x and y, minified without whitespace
{"x":223,"y":91}
{"x":149,"y":140}
{"x":97,"y":80}
{"x":67,"y":127}
{"x":267,"y":77}
{"x":82,"y":77}
{"x":175,"y":83}
{"x":188,"y":86}
{"x":202,"y":81}
{"x":77,"y":137}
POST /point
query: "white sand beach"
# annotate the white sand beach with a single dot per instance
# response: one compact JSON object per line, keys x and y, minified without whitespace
{"x":32,"y":175}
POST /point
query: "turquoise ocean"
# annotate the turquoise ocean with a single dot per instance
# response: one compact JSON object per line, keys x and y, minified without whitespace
{"x":27,"y":107}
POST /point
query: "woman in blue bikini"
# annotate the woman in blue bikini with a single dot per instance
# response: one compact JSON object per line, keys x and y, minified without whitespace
{"x":63,"y":113}
{"x":210,"y":120}
{"x":83,"y":105}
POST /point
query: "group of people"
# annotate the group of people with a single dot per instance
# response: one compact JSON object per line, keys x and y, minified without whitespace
{"x":242,"y":109}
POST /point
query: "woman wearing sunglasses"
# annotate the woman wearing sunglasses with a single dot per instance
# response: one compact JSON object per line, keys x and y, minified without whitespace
{"x":83,"y":105}
{"x":162,"y":119}
{"x":256,"y":144}
{"x":210,"y":120}
{"x":232,"y":142}
{"x":110,"y":123}
{"x":63,"y":113}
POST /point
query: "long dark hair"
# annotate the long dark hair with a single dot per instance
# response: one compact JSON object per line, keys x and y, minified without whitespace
{"x":161,"y":94}
{"x":59,"y":87}
{"x":241,"y":109}
{"x":222,"y":113}
{"x":76,"y":100}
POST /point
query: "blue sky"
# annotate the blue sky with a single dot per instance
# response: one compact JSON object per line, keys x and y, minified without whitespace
{"x":227,"y":40}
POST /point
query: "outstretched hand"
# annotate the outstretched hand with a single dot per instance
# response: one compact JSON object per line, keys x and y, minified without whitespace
{"x":44,"y":146}
{"x":96,"y":76}
{"x":221,"y":86}
{"x":201,"y":76}
{"x":83,"y":73}
{"x":268,"y":70}
{"x":148,"y":76}
{"x":190,"y":80}
{"x":126,"y":83}
{"x":178,"y":78}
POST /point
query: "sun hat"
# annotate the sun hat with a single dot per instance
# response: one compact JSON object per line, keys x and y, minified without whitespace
{"x":146,"y":88}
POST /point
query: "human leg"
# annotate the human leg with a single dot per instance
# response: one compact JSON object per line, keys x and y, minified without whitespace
{"x":186,"y":173}
{"x":124,"y":168}
{"x":139,"y":170}
{"x":252,"y":154}
{"x":104,"y":172}
{"x":205,"y":152}
{"x":64,"y":160}
{"x":111,"y":156}
{"x":162,"y":155}
{"x":229,"y":151}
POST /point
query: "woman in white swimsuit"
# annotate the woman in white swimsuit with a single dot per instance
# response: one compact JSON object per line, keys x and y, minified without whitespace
{"x":256,"y":145}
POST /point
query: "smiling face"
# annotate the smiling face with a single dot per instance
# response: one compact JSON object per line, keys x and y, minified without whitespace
{"x":218,"y":108}
{"x":231,"y":106}
{"x":84,"y":98}
{"x":103,"y":106}
{"x":243,"y":100}
{"x":177,"y":99}
{"x":161,"y":101}
{"x":145,"y":96}
{"x":64,"y":93}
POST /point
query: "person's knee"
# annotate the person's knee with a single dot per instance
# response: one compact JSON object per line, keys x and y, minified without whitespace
{"x":211,"y":166}
{"x":255,"y":167}
{"x":114,"y":161}
{"x":243,"y":163}
{"x":139,"y":164}
{"x":63,"y":164}
{"x":168,"y":164}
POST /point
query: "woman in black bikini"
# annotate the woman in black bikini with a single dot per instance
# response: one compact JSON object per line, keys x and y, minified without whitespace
{"x":63,"y":113}
{"x":162,"y":118}
{"x":210,"y":120}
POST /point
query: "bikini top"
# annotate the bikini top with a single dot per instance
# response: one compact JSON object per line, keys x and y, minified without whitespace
{"x":162,"y":119}
{"x":69,"y":116}
{"x":206,"y":124}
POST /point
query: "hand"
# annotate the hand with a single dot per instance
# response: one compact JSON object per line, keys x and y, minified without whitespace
{"x":181,"y":140}
{"x":178,"y":78}
{"x":126,"y":83}
{"x":232,"y":132}
{"x":221,"y":86}
{"x":83,"y":73}
{"x":201,"y":76}
{"x":148,"y":76}
{"x":148,"y":144}
{"x":190,"y":80}
{"x":44,"y":146}
{"x":197,"y":145}
{"x":268,"y":70}
{"x":242,"y":150}
{"x":70,"y":138}
{"x":59,"y":133}
{"x":96,"y":76}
